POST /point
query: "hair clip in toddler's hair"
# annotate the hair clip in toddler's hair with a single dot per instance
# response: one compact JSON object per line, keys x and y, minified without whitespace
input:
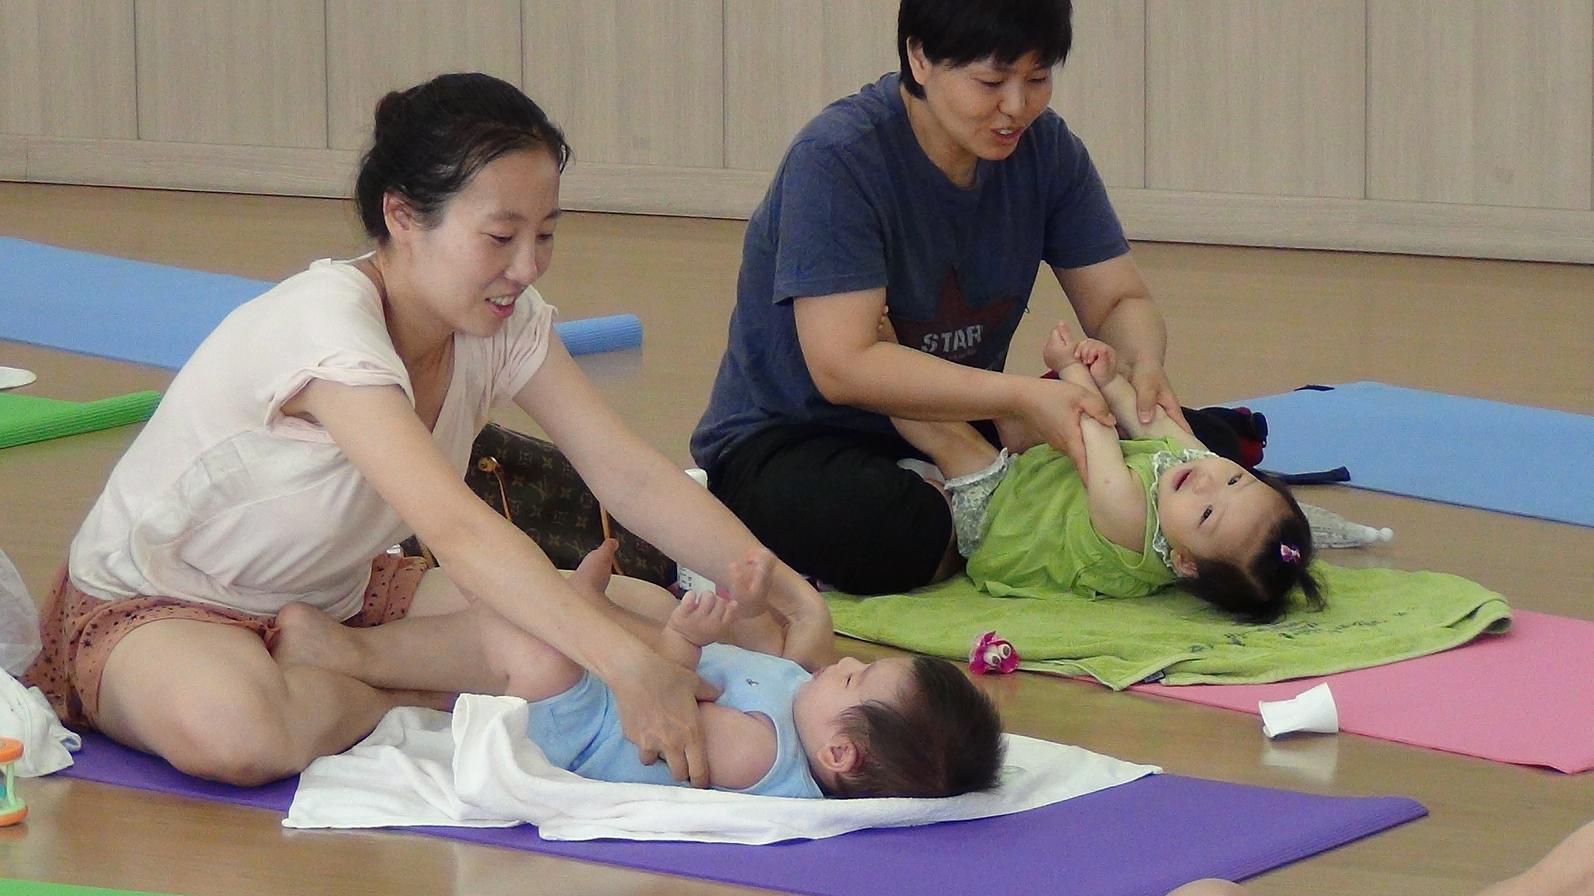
{"x":1289,"y":554}
{"x":992,"y":654}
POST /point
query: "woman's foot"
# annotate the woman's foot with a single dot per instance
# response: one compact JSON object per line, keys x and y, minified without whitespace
{"x":308,"y":637}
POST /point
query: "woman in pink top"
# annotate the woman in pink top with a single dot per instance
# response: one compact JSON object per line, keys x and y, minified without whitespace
{"x":332,"y":417}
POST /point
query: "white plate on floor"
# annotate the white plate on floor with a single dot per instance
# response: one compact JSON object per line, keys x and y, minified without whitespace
{"x":12,"y":377}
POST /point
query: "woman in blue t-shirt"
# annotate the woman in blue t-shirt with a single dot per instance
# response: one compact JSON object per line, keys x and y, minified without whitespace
{"x":933,"y":194}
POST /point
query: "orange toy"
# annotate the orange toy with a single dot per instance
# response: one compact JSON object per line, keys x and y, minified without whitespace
{"x":12,"y":808}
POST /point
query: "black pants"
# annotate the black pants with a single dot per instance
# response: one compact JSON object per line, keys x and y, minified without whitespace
{"x":834,"y":505}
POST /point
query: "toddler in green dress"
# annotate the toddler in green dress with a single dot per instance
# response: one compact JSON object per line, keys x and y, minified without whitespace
{"x":1152,"y":510}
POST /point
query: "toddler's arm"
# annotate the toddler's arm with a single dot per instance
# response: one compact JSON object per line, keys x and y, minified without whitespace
{"x":1121,"y":398}
{"x":1063,"y":350}
{"x":1117,"y":501}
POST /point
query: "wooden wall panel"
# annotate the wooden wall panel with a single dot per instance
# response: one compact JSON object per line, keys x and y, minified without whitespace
{"x":636,"y":82}
{"x":1481,"y":103}
{"x":67,"y":67}
{"x":1256,"y":96}
{"x":247,"y":72}
{"x":374,"y":46}
{"x":13,"y":157}
{"x":787,"y":59}
{"x":1101,"y":90}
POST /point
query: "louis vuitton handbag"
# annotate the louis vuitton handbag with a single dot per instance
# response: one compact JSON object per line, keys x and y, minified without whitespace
{"x":537,"y":488}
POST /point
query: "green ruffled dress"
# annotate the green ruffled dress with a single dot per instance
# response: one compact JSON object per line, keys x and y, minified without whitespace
{"x":1038,"y":538}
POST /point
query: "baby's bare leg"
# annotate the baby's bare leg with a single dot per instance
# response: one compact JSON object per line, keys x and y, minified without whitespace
{"x":956,"y":448}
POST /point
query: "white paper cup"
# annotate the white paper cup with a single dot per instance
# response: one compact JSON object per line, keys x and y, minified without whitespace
{"x":1312,"y":710}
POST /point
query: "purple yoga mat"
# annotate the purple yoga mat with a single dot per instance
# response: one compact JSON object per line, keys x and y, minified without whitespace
{"x":1095,"y":844}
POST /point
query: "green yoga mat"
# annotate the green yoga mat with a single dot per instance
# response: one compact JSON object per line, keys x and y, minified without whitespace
{"x":1373,"y":616}
{"x":28,"y":418}
{"x":40,"y":888}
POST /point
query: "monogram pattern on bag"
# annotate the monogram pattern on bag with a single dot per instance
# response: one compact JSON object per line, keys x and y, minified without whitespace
{"x":549,"y":502}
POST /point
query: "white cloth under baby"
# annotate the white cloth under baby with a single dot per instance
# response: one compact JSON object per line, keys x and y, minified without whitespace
{"x":25,"y":715}
{"x":478,"y":769}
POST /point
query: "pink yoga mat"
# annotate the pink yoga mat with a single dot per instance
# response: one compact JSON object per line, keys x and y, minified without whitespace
{"x":1525,"y":697}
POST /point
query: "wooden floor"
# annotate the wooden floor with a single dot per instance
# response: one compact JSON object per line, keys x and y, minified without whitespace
{"x":1244,"y":321}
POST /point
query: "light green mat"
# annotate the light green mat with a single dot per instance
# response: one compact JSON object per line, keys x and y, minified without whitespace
{"x":1374,"y":616}
{"x":39,"y":888}
{"x":28,"y":418}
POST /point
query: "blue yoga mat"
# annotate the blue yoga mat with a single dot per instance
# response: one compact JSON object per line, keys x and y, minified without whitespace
{"x":1468,"y":451}
{"x":156,"y":314}
{"x":1138,"y":839}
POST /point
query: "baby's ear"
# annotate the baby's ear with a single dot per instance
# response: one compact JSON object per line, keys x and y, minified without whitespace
{"x":840,"y":755}
{"x":1183,"y":564}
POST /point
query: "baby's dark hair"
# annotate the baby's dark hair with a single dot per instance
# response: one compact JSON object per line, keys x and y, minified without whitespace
{"x":944,"y":738}
{"x":1259,"y":591}
{"x":431,"y":139}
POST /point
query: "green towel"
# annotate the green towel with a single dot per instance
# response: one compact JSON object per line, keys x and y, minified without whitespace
{"x":39,"y":888}
{"x":27,"y":418}
{"x":1374,"y":616}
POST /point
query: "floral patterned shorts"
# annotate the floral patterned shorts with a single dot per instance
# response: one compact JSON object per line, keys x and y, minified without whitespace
{"x":80,"y":631}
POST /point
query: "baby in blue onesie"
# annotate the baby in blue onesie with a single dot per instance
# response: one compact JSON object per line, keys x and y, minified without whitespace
{"x":902,"y":726}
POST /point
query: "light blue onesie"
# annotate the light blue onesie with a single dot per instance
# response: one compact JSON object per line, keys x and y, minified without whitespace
{"x":579,"y":730}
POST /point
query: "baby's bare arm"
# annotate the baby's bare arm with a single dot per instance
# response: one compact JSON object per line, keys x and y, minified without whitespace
{"x":741,"y":746}
{"x":701,"y":618}
{"x":1121,"y":399}
{"x":1117,"y":503}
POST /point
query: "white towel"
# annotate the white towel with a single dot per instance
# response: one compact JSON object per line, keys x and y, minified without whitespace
{"x":480,"y":770}
{"x":25,"y":715}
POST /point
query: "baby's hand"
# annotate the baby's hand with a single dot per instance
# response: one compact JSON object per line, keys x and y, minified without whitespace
{"x":702,"y":617}
{"x":1099,"y":358}
{"x":1059,"y":349}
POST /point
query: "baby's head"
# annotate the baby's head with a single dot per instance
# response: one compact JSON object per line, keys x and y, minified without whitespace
{"x":1239,"y":539}
{"x":903,"y":726}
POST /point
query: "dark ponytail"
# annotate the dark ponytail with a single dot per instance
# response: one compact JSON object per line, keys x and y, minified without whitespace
{"x":430,"y":140}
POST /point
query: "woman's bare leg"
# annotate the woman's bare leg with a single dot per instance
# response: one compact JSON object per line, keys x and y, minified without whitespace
{"x":1568,"y":870}
{"x":210,"y":700}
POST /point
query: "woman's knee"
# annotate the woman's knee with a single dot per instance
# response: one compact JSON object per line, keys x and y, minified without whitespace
{"x":244,"y":741}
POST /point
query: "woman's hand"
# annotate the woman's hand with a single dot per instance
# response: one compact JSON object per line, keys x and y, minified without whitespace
{"x":1152,"y":390}
{"x":1051,"y":413}
{"x":658,"y":712}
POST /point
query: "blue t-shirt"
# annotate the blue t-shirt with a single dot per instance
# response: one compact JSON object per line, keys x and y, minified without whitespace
{"x":579,"y":730}
{"x":856,"y":204}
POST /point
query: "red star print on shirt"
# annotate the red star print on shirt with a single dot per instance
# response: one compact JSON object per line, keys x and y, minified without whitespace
{"x":976,"y":337}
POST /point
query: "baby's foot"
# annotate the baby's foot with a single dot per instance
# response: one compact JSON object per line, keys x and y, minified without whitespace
{"x":591,"y":575}
{"x":702,"y":617}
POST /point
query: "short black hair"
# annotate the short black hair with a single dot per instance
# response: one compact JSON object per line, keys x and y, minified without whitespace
{"x":430,"y":140}
{"x":943,"y":738}
{"x":958,"y":32}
